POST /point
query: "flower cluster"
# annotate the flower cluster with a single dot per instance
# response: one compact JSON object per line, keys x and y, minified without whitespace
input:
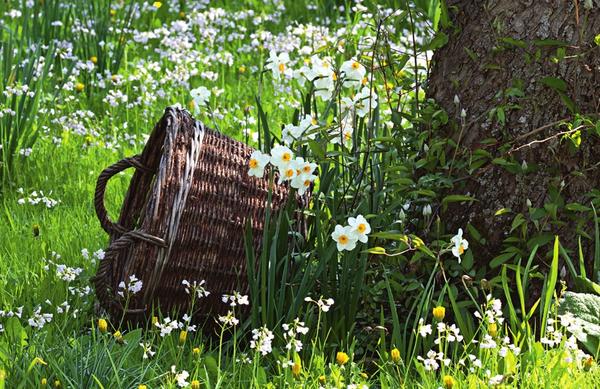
{"x":357,"y":230}
{"x":261,"y":340}
{"x":132,"y":287}
{"x":35,"y":198}
{"x":323,"y":304}
{"x":196,"y":288}
{"x":295,"y":170}
{"x":291,"y":334}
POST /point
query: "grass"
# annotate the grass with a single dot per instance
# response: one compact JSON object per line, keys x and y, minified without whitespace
{"x":76,"y":132}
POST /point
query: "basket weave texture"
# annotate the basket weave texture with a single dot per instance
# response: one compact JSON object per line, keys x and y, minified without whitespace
{"x":183,"y":218}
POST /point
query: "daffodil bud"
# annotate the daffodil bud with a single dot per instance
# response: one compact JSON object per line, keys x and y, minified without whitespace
{"x":395,"y":354}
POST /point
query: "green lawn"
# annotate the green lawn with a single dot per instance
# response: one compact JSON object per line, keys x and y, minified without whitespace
{"x":111,"y":68}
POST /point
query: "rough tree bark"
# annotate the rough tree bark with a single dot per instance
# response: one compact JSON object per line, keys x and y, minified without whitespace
{"x":499,"y":43}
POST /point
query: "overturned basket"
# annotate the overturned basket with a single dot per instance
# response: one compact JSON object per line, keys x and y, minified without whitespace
{"x":183,"y":218}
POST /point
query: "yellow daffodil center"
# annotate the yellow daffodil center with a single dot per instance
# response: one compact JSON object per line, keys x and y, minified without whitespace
{"x":334,"y":76}
{"x":281,"y":67}
{"x":289,"y":173}
{"x":307,"y":183}
{"x":364,"y":81}
{"x":253,"y":163}
{"x":355,"y":65}
{"x":306,"y":169}
{"x":461,"y":249}
{"x":361,"y":228}
{"x":286,"y":157}
{"x":343,"y":239}
{"x":313,"y":121}
{"x":347,"y":135}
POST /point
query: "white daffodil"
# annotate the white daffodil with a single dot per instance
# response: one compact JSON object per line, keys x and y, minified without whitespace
{"x":201,"y":95}
{"x":257,"y":164}
{"x":344,"y":237}
{"x":302,"y":182}
{"x":460,"y":244}
{"x":324,"y":86}
{"x":360,"y":227}
{"x":304,"y":176}
{"x":353,"y":73}
{"x":290,"y":133}
{"x":288,"y":173}
{"x":346,"y":105}
{"x":305,"y":72}
{"x":307,"y":125}
{"x":365,"y":101}
{"x":343,"y":133}
{"x":278,"y":65}
{"x":304,"y":167}
{"x":281,"y":157}
{"x":313,"y":67}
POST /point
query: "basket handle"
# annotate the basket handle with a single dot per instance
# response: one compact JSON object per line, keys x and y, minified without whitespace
{"x":108,"y":225}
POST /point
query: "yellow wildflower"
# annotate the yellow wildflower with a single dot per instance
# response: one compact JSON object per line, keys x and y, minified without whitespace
{"x":79,"y":87}
{"x":395,"y":354}
{"x":439,"y":313}
{"x":182,"y":337}
{"x":118,"y":336}
{"x":102,"y":325}
{"x":342,"y":358}
{"x":448,"y":382}
{"x":296,"y":369}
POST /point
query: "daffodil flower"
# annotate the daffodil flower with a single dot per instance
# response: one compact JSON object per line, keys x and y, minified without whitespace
{"x":460,"y":244}
{"x":365,"y":101}
{"x":281,"y":157}
{"x":278,"y":65}
{"x":257,"y":164}
{"x":302,"y":182}
{"x":360,"y":227}
{"x":353,"y":73}
{"x":344,"y":237}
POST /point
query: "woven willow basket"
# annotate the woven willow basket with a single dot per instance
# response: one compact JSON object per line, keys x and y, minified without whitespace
{"x":183,"y":218}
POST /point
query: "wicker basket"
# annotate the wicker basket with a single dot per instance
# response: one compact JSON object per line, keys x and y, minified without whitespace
{"x":183,"y":218}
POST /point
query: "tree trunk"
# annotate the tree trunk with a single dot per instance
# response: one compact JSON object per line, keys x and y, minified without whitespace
{"x":497,"y":45}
